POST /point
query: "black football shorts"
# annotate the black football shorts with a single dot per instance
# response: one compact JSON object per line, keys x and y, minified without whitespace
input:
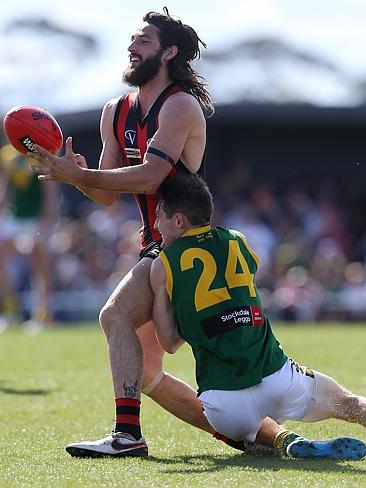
{"x":151,"y":251}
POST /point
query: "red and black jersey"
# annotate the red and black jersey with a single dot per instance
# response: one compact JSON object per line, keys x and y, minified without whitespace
{"x":133,"y":134}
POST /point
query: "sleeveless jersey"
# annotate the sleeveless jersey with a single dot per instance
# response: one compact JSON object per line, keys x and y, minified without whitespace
{"x":210,"y":282}
{"x":133,"y":134}
{"x":25,"y":190}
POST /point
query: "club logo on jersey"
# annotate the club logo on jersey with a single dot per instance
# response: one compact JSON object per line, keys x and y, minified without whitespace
{"x":130,"y":135}
{"x":232,"y":319}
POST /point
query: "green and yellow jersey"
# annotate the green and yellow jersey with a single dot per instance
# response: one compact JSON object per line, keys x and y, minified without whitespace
{"x":210,"y":282}
{"x":25,"y":190}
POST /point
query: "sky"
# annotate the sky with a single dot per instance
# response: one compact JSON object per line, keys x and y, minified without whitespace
{"x":332,"y":28}
{"x":335,"y":27}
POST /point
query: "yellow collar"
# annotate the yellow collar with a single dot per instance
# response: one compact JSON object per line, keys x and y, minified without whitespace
{"x":196,"y":230}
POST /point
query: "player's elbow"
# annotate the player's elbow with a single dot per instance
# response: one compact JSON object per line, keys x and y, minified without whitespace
{"x":171,"y":348}
{"x":175,"y":348}
{"x":154,"y":178}
{"x":151,"y":187}
{"x":107,"y":199}
{"x":174,"y":345}
{"x":110,"y":201}
{"x":153,"y":183}
{"x":169,"y":345}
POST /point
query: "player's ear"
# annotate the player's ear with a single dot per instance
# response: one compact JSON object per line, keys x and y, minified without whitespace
{"x":181,"y":221}
{"x":170,"y":52}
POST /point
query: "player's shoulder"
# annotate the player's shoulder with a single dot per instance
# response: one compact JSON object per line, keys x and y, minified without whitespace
{"x":183,"y":101}
{"x":110,"y":105}
{"x":182,"y":108}
{"x":237,"y":233}
{"x":183,"y":95}
{"x":230,"y":233}
{"x":109,"y":109}
{"x":241,"y":238}
{"x":107,"y":117}
{"x":157,"y":271}
{"x":225,"y":230}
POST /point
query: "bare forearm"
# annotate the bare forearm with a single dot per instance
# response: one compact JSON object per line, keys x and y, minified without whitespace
{"x":166,"y":326}
{"x":102,"y":197}
{"x":130,"y":179}
{"x":166,"y":329}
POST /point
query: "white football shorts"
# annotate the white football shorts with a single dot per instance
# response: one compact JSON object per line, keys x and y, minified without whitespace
{"x":288,"y":394}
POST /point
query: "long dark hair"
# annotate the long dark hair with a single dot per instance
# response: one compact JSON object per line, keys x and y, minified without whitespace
{"x":174,"y":32}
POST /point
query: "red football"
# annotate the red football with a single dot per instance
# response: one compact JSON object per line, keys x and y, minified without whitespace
{"x":25,"y":126}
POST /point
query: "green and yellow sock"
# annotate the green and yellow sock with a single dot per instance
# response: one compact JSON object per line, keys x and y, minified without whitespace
{"x":283,"y":439}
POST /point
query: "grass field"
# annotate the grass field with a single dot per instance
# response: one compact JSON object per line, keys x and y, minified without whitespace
{"x":55,"y":389}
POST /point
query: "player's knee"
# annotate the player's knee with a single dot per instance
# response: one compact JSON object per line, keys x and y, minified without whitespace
{"x":103,"y":318}
{"x":107,"y":317}
{"x":113,"y":316}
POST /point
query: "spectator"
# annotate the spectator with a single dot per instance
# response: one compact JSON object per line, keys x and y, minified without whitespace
{"x":29,"y":210}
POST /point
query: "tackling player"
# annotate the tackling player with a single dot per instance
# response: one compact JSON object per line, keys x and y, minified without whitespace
{"x":205,"y":294}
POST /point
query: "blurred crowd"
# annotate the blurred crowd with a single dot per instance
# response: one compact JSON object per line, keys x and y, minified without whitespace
{"x":61,"y":260}
{"x":311,"y":239}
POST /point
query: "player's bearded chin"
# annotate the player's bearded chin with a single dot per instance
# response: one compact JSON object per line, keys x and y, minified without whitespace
{"x":144,"y":72}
